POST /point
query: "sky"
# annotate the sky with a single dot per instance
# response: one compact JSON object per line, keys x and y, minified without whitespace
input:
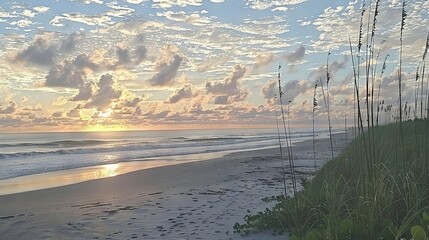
{"x":90,"y":65}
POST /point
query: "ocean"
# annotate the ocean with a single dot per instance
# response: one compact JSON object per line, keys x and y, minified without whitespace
{"x":37,"y":153}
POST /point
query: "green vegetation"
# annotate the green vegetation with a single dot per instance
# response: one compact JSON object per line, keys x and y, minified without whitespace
{"x":343,"y":201}
{"x":377,"y":188}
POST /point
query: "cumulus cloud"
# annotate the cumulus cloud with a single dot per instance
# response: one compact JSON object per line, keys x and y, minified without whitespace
{"x":263,"y":59}
{"x":167,"y":66}
{"x":269,"y":89}
{"x":128,"y":58}
{"x":140,"y":54}
{"x":22,"y":23}
{"x":294,"y":88}
{"x":69,"y":43}
{"x":293,"y":58}
{"x":229,"y":90}
{"x":9,"y":108}
{"x":124,"y":57}
{"x":41,"y":9}
{"x":107,"y":92}
{"x":334,"y":67}
{"x":183,"y":93}
{"x":296,"y":56}
{"x":74,"y":113}
{"x":58,"y":114}
{"x":86,"y":91}
{"x":70,"y":74}
{"x":38,"y":53}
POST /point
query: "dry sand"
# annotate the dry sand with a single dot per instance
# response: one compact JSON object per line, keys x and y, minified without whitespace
{"x":198,"y":200}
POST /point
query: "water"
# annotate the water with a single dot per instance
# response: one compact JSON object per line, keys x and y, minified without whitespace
{"x":35,"y":153}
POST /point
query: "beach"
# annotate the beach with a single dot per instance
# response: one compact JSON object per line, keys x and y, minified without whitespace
{"x":193,"y":200}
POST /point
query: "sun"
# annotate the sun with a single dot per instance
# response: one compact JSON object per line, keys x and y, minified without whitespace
{"x":105,"y":114}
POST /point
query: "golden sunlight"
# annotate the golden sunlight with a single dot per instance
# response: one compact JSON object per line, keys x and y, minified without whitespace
{"x":109,"y":170}
{"x":105,"y":114}
{"x":105,"y":128}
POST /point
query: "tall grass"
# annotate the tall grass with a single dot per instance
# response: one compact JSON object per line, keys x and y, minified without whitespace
{"x":314,"y":135}
{"x":340,"y":202}
{"x":288,"y":145}
{"x":370,"y":191}
{"x":280,"y":148}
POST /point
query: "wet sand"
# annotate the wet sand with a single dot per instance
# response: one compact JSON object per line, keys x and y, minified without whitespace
{"x":195,"y":200}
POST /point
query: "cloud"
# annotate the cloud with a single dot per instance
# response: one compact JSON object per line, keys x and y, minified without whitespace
{"x":58,"y":114}
{"x":123,"y":56}
{"x":118,"y":11}
{"x":194,"y":18}
{"x":171,"y":3}
{"x":140,"y":54}
{"x":90,"y":1}
{"x":107,"y":92}
{"x":86,"y":91}
{"x":296,"y":56}
{"x":265,"y":4}
{"x":167,"y":67}
{"x":229,"y":90}
{"x":28,"y":13}
{"x":22,"y":23}
{"x":212,"y":63}
{"x":71,"y":74}
{"x":41,"y":9}
{"x":9,"y":108}
{"x":183,"y":93}
{"x":294,"y":88}
{"x":129,"y":58}
{"x":91,"y":20}
{"x":135,"y":1}
{"x":269,"y":89}
{"x":132,"y":103}
{"x":39,"y":53}
{"x":74,"y":113}
{"x":69,"y":43}
{"x":293,"y":58}
{"x":263,"y":60}
{"x":334,"y":67}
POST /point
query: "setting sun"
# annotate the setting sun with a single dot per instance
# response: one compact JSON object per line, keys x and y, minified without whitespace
{"x":105,"y":114}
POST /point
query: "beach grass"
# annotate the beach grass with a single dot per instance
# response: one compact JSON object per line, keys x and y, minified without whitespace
{"x":377,"y":187}
{"x":343,"y":202}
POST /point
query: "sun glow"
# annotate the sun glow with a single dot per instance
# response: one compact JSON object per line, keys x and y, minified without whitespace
{"x":105,"y":128}
{"x":109,"y":170}
{"x":105,"y":114}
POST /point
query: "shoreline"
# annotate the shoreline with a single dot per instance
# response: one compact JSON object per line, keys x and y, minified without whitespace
{"x":67,"y":177}
{"x":59,"y":178}
{"x":197,"y":200}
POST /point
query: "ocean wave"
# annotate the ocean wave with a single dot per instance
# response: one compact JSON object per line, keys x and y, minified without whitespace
{"x":64,"y":143}
{"x":130,"y":146}
{"x":213,"y":139}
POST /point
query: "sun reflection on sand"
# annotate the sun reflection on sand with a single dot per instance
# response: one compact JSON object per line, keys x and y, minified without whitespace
{"x":108,"y":170}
